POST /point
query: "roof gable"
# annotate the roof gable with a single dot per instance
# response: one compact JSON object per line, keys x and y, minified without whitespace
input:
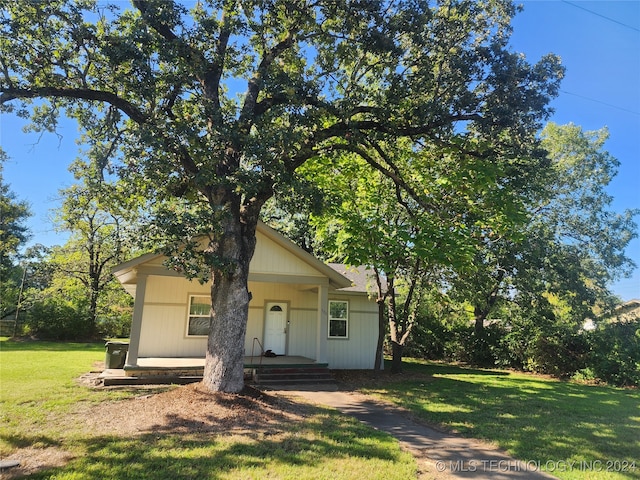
{"x":275,"y":257}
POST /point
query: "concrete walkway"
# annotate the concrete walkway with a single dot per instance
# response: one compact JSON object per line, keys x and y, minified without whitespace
{"x":440,"y":455}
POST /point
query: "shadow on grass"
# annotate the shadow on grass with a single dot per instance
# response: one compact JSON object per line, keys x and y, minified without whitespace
{"x":531,"y":417}
{"x":324,"y":445}
{"x":24,"y":441}
{"x":444,"y":368}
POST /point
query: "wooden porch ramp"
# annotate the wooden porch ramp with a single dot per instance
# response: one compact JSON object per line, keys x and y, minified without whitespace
{"x":267,"y":371}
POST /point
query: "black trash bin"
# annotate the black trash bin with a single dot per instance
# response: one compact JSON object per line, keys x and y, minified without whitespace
{"x":116,"y":354}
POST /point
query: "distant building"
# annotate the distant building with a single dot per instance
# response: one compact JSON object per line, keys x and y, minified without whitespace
{"x":628,"y":311}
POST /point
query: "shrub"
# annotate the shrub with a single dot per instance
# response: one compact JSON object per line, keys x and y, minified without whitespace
{"x":56,"y":320}
{"x":561,"y":352}
{"x":431,"y":339}
{"x":584,"y":375}
{"x":615,"y":358}
{"x":115,"y":326}
{"x":533,"y":340}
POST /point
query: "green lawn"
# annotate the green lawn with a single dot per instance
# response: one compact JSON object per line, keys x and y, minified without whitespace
{"x":38,"y":391}
{"x":37,"y":383}
{"x":533,"y":418}
{"x":556,"y":424}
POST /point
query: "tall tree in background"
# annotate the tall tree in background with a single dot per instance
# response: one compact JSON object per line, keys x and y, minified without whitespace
{"x":573,"y":245}
{"x":98,"y":214}
{"x":13,"y":234}
{"x":211,"y":111}
{"x":590,"y":237}
{"x":369,"y":220}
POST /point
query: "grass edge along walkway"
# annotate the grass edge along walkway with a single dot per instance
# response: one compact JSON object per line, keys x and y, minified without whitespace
{"x":571,"y":430}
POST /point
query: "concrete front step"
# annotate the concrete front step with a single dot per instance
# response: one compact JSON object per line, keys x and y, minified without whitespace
{"x":152,"y":380}
{"x":272,"y":374}
{"x":312,"y":374}
{"x":292,"y":371}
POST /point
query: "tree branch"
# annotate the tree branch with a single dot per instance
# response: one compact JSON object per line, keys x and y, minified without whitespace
{"x":249,"y":112}
{"x":209,"y":73}
{"x":161,"y":28}
{"x":406,"y":130}
{"x":213,"y":74}
{"x":8,"y":94}
{"x":415,"y":278}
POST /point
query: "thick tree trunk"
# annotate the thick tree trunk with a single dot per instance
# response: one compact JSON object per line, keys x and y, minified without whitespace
{"x":224,"y":365}
{"x":479,"y":315}
{"x":396,"y":359}
{"x":381,"y":334}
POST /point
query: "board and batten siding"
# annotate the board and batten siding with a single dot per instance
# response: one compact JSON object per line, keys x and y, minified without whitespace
{"x":164,"y":318}
{"x":277,"y":274}
{"x":358,"y":351}
{"x":164,"y":322}
{"x":301,"y":337}
{"x":271,"y":258}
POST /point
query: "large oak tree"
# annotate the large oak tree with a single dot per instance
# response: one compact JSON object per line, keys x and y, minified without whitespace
{"x":209,"y":111}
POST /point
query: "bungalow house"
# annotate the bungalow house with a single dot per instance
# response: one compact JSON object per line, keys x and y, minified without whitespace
{"x":300,"y":307}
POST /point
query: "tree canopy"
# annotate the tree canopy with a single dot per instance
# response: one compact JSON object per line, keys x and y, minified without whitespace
{"x":13,"y":234}
{"x":573,"y":244}
{"x":210,"y":111}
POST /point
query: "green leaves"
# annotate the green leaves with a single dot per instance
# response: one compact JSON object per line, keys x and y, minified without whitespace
{"x":13,"y":234}
{"x":219,"y":106}
{"x":560,"y":261}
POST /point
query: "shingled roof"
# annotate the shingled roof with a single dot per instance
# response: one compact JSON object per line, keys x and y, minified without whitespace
{"x":363,"y":278}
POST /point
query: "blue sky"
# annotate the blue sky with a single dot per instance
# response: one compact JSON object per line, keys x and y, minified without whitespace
{"x":598,"y":41}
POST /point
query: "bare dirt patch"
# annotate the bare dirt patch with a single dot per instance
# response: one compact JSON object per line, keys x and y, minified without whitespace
{"x":190,"y":409}
{"x":34,"y":459}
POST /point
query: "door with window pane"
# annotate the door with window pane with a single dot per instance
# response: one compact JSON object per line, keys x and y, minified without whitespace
{"x":275,"y":328}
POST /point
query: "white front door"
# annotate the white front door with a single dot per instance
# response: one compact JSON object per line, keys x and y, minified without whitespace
{"x":275,"y":328}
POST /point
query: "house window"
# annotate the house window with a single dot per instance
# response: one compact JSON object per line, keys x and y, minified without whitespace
{"x":199,"y":316}
{"x":338,"y":319}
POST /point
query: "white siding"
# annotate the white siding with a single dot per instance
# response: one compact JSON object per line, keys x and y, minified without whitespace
{"x":255,"y":328}
{"x":302,"y":311}
{"x":302,"y":337}
{"x":164,"y":320}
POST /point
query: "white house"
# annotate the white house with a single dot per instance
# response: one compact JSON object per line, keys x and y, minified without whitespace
{"x":300,"y":307}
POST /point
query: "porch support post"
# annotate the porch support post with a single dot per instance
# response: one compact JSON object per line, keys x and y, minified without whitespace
{"x":136,"y":324}
{"x":322,"y":323}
